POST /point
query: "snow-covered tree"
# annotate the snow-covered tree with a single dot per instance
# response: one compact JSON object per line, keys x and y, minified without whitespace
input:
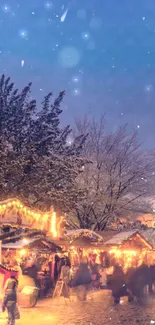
{"x":118,"y":178}
{"x":36,"y":163}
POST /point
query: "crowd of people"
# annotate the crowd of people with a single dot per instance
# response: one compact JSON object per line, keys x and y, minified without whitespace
{"x":132,"y":283}
{"x":84,"y":276}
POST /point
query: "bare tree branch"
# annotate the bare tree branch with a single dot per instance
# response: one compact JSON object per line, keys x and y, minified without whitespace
{"x":117,"y":179}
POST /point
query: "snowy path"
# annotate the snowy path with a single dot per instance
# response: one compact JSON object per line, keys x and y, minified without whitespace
{"x":98,"y":310}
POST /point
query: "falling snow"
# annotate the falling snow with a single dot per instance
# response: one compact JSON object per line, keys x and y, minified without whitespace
{"x":113,"y":48}
{"x":22,"y":63}
{"x":63,"y":17}
{"x":48,"y":5}
{"x":85,"y":36}
{"x":23,"y":33}
{"x":148,"y":88}
{"x":6,"y":8}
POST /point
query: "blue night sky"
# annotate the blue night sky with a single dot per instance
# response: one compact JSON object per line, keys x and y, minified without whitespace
{"x":101,"y":51}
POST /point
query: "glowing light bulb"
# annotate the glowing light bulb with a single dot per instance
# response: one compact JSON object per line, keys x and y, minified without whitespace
{"x":25,"y":241}
{"x":23,"y":252}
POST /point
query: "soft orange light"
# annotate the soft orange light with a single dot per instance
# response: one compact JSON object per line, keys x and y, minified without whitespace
{"x":119,"y":252}
{"x":23,"y":252}
{"x":45,"y":217}
{"x":25,"y":241}
{"x":110,"y":270}
{"x":53,"y":224}
{"x":33,"y":214}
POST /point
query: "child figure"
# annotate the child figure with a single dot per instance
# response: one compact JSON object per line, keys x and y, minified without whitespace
{"x":10,"y":300}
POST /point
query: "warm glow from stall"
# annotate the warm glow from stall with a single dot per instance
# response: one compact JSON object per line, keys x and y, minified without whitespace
{"x":41,"y":219}
{"x":25,"y":241}
{"x":23,"y":252}
{"x":53,"y":224}
{"x":128,"y":258}
{"x":119,"y":252}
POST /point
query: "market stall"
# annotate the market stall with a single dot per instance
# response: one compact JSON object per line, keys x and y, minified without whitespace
{"x":80,"y":243}
{"x":14,"y":212}
{"x":83,"y":245}
{"x":25,"y":247}
{"x":36,"y":258}
{"x":103,"y":250}
{"x":128,"y":249}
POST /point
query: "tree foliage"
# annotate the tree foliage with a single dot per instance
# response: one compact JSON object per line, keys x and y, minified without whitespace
{"x":118,"y":178}
{"x":36,"y":163}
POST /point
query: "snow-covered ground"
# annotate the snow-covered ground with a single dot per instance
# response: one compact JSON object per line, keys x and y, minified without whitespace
{"x":98,"y":310}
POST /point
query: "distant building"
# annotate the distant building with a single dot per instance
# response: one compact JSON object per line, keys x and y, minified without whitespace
{"x":147,"y":219}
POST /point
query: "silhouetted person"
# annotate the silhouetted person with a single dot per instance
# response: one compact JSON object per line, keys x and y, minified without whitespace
{"x":10,"y":300}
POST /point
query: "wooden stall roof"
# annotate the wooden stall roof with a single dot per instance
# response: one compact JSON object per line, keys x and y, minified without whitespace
{"x":149,"y":235}
{"x":123,"y":237}
{"x":37,"y":243}
{"x":85,"y":234}
{"x":16,"y":237}
{"x":80,"y":238}
{"x":107,"y":234}
{"x":104,"y":239}
{"x":9,"y":233}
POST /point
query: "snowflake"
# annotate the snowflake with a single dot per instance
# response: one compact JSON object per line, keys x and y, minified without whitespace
{"x":6,"y":8}
{"x":23,"y":33}
{"x":48,"y":5}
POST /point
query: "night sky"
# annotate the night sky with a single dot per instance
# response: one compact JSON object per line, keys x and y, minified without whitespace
{"x":101,"y":51}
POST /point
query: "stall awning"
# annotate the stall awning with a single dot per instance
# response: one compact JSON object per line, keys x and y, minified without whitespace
{"x":134,"y":238}
{"x":84,"y":235}
{"x":33,"y":243}
{"x":19,"y":244}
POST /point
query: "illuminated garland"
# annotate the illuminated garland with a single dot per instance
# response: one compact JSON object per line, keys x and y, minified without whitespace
{"x":83,"y":233}
{"x":20,"y":207}
{"x":31,"y":215}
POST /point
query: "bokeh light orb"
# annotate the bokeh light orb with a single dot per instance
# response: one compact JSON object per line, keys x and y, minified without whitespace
{"x":23,"y":33}
{"x":69,"y":57}
{"x":85,"y":36}
{"x":48,"y":5}
{"x":76,"y":92}
{"x":6,"y":8}
{"x":148,"y":88}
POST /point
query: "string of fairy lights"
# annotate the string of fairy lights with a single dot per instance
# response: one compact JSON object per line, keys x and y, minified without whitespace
{"x":39,"y":216}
